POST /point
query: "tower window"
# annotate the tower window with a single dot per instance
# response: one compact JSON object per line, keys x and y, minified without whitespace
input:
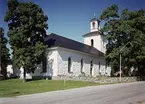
{"x":69,"y":64}
{"x":92,"y":42}
{"x":91,"y":67}
{"x":93,"y":24}
{"x":82,"y":65}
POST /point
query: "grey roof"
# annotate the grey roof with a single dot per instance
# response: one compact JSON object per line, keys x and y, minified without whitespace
{"x":95,"y":19}
{"x":54,"y":40}
{"x":92,"y":33}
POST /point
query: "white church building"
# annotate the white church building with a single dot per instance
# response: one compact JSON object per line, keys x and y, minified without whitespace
{"x":67,"y":57}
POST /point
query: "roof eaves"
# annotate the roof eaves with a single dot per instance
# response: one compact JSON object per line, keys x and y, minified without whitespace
{"x":90,"y":33}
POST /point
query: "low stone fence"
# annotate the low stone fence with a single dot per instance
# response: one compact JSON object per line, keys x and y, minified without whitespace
{"x":100,"y":79}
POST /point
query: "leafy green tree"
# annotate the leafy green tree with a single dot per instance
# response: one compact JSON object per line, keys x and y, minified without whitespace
{"x":4,"y":54}
{"x":121,"y":29}
{"x":27,"y":28}
{"x":1,"y":32}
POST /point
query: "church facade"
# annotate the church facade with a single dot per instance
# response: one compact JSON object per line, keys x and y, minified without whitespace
{"x":67,"y":57}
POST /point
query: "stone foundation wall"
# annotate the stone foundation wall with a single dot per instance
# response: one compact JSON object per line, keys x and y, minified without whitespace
{"x":100,"y":79}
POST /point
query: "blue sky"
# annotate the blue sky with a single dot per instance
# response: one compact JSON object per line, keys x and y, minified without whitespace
{"x":70,"y":18}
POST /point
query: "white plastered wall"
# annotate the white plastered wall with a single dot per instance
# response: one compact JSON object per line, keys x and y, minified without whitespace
{"x":97,"y":41}
{"x":57,"y":64}
{"x":52,"y":62}
{"x":76,"y":56}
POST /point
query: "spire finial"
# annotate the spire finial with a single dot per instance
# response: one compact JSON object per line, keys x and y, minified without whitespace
{"x":94,"y":14}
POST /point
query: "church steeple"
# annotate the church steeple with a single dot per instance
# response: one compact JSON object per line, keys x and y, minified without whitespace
{"x":94,"y":38}
{"x":94,"y":24}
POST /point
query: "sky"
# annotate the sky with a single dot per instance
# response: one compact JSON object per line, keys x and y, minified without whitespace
{"x":70,"y":18}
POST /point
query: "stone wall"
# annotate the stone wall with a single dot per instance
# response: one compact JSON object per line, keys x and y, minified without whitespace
{"x":100,"y":79}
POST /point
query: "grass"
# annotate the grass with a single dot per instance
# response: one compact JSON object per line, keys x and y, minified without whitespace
{"x":15,"y":87}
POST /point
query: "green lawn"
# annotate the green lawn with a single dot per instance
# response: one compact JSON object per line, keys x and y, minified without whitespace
{"x":14,"y":87}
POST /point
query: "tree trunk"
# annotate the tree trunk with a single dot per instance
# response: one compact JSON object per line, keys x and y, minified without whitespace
{"x":24,"y":75}
{"x":1,"y":76}
{"x":4,"y":71}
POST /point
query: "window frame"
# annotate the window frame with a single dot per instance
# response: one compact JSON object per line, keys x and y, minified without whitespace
{"x":69,"y":65}
{"x":93,"y":25}
{"x":92,"y":42}
{"x":91,"y":67}
{"x":82,"y":65}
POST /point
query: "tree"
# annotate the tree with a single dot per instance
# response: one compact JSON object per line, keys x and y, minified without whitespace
{"x":119,"y":29}
{"x":27,"y":28}
{"x":1,"y":33}
{"x":4,"y":54}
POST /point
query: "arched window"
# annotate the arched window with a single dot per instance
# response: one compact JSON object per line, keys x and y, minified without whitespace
{"x":99,"y":67}
{"x":93,"y":24}
{"x":69,"y":64}
{"x":91,"y":67}
{"x":82,"y":65}
{"x":106,"y":69}
{"x":92,"y":42}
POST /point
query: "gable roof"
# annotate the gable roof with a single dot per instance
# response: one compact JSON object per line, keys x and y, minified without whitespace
{"x":54,"y":40}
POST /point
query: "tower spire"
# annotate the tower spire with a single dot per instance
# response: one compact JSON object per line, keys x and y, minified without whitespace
{"x":94,"y":15}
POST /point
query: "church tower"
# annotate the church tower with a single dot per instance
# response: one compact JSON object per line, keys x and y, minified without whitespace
{"x":94,"y":24}
{"x":94,"y":38}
